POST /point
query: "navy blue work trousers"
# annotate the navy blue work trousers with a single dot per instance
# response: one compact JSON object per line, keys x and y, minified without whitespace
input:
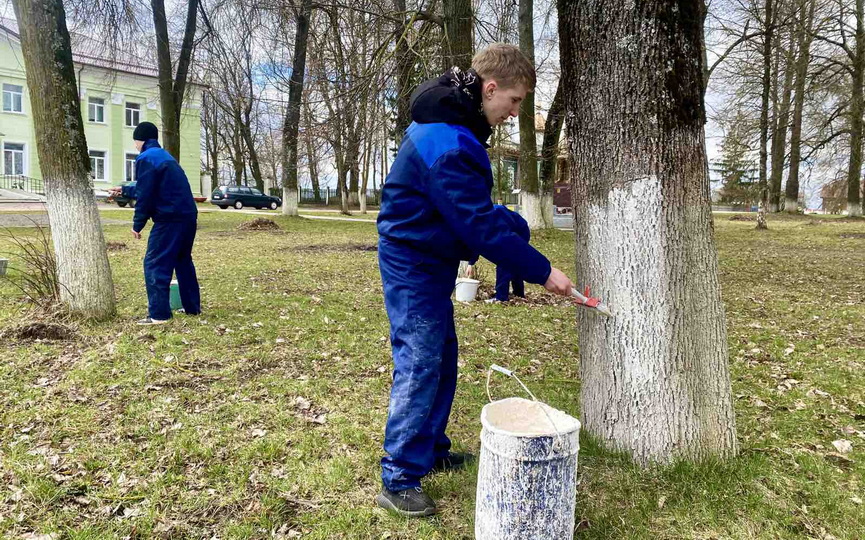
{"x":504,"y":280}
{"x":417,"y":291}
{"x":169,"y":251}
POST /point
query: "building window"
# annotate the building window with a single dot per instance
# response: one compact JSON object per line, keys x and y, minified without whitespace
{"x":130,"y":167}
{"x":13,"y":98}
{"x":133,"y":114}
{"x":96,"y":110}
{"x":13,"y":159}
{"x":97,"y":166}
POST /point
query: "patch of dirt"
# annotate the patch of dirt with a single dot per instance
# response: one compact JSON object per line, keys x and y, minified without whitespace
{"x":116,"y":246}
{"x":44,"y":331}
{"x":342,"y":248}
{"x":743,"y":217}
{"x":258,"y":224}
{"x":853,"y":235}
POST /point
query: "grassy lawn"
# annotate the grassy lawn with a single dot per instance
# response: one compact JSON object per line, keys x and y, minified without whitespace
{"x":264,"y":417}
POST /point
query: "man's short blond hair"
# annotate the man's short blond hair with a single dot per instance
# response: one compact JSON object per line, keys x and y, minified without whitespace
{"x":505,"y":64}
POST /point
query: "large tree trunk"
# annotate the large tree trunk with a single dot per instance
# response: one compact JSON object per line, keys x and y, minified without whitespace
{"x":530,"y":192}
{"x":550,"y":149}
{"x":172,"y":86}
{"x":83,"y":272}
{"x":291,"y":126}
{"x":458,"y":44}
{"x":655,"y":376}
{"x":782,"y":124}
{"x":791,"y":190}
{"x":854,"y":171}
{"x":764,"y":112}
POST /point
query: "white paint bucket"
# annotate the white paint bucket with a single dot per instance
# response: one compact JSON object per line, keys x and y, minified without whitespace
{"x":527,"y":476}
{"x":467,"y":289}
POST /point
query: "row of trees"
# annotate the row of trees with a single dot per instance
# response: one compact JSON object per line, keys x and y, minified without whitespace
{"x":655,"y":376}
{"x":791,"y":83}
{"x":299,"y":90}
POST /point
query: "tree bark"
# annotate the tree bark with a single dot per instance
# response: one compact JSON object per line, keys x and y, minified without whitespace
{"x":655,"y":378}
{"x":83,"y":271}
{"x":791,"y":200}
{"x":291,"y":127}
{"x":530,"y":192}
{"x":764,"y":112}
{"x":782,"y":125}
{"x":550,"y":147}
{"x":458,"y":44}
{"x":854,"y":170}
{"x":311,"y":155}
{"x":403,"y":74}
{"x":172,"y":86}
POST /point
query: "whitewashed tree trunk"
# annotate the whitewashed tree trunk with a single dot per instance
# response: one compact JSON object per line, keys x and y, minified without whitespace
{"x":530,"y":185}
{"x":289,"y":202}
{"x":291,"y":125}
{"x":83,"y":272}
{"x":547,"y":209}
{"x":655,"y":379}
{"x":531,"y":209}
{"x":361,"y":196}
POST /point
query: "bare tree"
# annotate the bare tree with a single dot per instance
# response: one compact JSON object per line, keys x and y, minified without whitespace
{"x":292,"y":115}
{"x":83,"y":272}
{"x":172,"y":84}
{"x":803,"y":31}
{"x":531,"y":203}
{"x":655,"y":377}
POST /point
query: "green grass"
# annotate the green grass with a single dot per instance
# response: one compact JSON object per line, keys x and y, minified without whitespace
{"x":193,"y":429}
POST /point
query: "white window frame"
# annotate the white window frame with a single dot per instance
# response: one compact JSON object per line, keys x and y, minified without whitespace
{"x":126,"y":162}
{"x":127,"y":111}
{"x":12,"y":98}
{"x":105,"y":168}
{"x":92,"y":108}
{"x":23,"y":156}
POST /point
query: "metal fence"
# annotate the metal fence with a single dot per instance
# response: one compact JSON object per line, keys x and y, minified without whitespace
{"x":327,"y":196}
{"x":24,"y":183}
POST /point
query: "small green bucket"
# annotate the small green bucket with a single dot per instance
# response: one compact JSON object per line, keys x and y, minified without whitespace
{"x":174,"y":296}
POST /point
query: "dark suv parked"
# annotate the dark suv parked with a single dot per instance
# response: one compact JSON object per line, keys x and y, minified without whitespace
{"x":240,"y":196}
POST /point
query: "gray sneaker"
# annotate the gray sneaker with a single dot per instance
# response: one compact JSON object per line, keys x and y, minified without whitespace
{"x":150,"y":322}
{"x":411,"y":502}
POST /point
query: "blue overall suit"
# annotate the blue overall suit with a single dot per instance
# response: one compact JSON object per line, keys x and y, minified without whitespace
{"x":436,"y":210}
{"x":163,"y":195}
{"x":504,"y":277}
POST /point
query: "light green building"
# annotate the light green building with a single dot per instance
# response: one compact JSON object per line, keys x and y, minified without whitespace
{"x":115,"y":97}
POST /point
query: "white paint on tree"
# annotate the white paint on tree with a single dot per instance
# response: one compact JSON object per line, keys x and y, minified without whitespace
{"x":531,"y":209}
{"x":289,"y":202}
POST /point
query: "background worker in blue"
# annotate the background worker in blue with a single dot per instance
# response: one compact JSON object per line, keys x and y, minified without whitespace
{"x":436,"y":210}
{"x":505,"y":279}
{"x":162,"y":194}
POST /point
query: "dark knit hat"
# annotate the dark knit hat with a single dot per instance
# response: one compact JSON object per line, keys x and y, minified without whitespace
{"x":145,"y":131}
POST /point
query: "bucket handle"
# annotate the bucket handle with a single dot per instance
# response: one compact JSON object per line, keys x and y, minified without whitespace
{"x":508,"y":373}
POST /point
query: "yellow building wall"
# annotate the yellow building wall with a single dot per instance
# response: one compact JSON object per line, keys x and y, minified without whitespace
{"x":111,"y":136}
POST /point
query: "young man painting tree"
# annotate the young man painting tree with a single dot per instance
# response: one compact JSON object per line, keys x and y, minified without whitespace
{"x":436,"y":210}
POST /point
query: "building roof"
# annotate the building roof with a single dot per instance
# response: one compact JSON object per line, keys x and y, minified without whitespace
{"x":87,"y":51}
